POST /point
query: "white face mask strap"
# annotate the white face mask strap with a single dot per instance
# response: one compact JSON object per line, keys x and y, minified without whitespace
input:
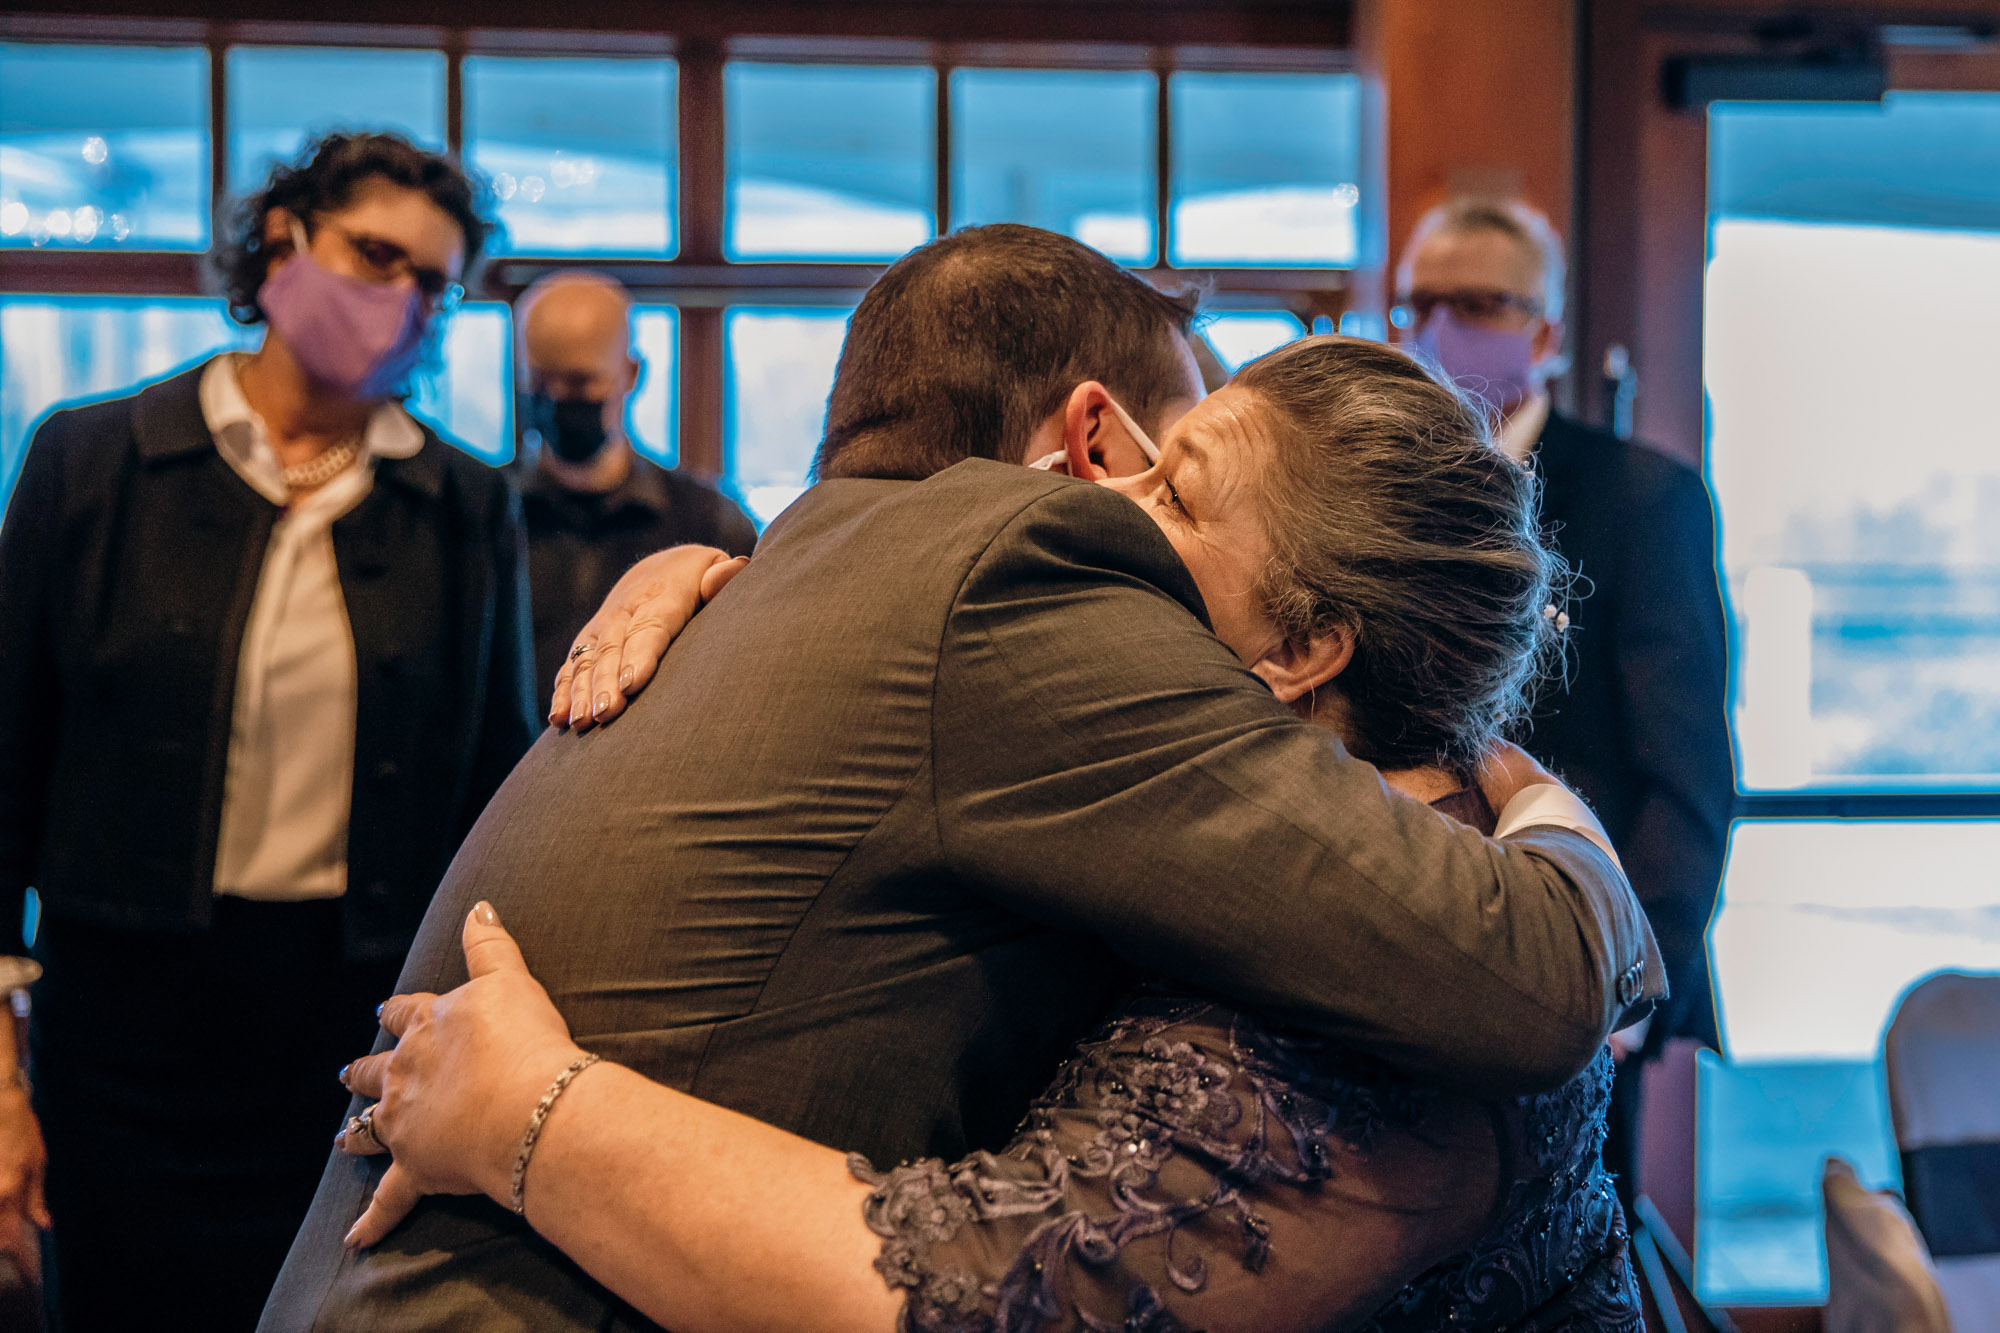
{"x":1139,"y":437}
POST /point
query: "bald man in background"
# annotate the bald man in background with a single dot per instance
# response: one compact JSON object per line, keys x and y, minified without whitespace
{"x":593,"y":506}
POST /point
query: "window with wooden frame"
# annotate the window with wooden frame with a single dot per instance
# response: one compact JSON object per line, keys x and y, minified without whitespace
{"x":1803,"y":285}
{"x":746,"y":189}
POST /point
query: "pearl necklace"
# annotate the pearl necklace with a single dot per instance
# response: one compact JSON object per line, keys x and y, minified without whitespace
{"x":325,"y":466}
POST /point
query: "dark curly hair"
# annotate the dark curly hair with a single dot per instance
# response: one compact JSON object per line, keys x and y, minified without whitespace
{"x":326,"y":175}
{"x":1393,"y":515}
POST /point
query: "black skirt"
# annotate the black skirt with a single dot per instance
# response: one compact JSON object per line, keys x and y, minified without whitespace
{"x":187,"y":1090}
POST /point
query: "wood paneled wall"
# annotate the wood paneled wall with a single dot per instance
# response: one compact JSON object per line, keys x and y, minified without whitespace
{"x":1478,"y":98}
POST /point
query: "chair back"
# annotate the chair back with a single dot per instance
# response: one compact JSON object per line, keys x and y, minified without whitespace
{"x":1943,"y":1057}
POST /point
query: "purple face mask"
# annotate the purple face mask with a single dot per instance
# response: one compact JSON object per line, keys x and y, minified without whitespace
{"x":360,"y":339}
{"x":1491,"y":364}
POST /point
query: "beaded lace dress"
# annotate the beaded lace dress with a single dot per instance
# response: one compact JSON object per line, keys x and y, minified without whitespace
{"x":1192,"y":1168}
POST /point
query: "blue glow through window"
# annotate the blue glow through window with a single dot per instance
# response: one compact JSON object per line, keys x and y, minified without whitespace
{"x":280,"y":96}
{"x":1067,"y":150}
{"x":829,"y":161}
{"x":1264,"y":169}
{"x":780,"y":369}
{"x":469,"y":398}
{"x":1766,"y":1130}
{"x":1846,"y":365}
{"x":1238,"y":337}
{"x":66,"y":349}
{"x":580,"y":152}
{"x":104,"y":147}
{"x":653,"y":418}
{"x":1822,"y":927}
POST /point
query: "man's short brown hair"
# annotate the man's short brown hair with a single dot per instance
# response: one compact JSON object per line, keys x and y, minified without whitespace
{"x":967,"y":344}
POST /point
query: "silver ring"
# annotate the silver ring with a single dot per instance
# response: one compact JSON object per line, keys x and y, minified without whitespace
{"x":580,"y":650}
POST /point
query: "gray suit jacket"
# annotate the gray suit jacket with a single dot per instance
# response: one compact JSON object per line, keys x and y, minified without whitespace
{"x":895,"y":823}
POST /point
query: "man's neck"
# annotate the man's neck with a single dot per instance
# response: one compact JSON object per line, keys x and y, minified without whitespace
{"x":1521,"y":429}
{"x":295,"y":410}
{"x":604,"y":472}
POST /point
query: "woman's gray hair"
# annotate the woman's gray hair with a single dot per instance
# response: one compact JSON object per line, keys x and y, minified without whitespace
{"x":1393,"y":515}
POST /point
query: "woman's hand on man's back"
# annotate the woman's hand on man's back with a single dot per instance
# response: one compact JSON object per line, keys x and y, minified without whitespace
{"x":457,"y":1089}
{"x":617,"y":651}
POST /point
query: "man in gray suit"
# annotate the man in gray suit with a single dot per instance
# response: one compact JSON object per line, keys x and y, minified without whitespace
{"x":956,"y":756}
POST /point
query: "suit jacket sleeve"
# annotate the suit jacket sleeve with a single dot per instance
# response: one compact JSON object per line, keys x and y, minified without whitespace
{"x":508,"y":723}
{"x":1669,"y":651}
{"x":31,"y":698}
{"x":1158,"y":797}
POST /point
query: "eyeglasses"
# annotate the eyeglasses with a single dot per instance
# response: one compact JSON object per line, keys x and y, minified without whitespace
{"x":386,"y":261}
{"x":1480,"y":305}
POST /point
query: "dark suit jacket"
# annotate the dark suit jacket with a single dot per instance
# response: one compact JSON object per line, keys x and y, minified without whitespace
{"x":1641,"y":731}
{"x":885,"y":836}
{"x":128,"y":562}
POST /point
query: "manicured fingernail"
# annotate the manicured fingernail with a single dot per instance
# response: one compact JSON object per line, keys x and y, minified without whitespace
{"x":625,"y":679}
{"x":380,"y":1007}
{"x":599,"y":704}
{"x":348,"y":1239}
{"x":343,"y":1074}
{"x":483,"y":913}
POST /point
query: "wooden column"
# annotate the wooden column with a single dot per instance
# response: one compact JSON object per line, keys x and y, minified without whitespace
{"x":1471,"y":99}
{"x":701,"y":212}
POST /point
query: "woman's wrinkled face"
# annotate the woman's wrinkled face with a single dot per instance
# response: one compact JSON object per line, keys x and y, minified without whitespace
{"x":1204,"y":493}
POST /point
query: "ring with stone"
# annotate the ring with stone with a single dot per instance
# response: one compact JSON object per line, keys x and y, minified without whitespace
{"x":364,"y":1124}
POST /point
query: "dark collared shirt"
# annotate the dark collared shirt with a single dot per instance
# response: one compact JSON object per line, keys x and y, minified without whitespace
{"x":580,"y":544}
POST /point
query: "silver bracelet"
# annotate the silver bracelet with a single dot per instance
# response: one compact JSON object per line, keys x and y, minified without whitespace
{"x":534,"y":1130}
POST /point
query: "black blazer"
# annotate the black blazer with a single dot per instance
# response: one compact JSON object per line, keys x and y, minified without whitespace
{"x":128,"y":562}
{"x":1642,"y":731}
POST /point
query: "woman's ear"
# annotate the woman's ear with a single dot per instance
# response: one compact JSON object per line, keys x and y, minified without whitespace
{"x":1295,"y":667}
{"x":278,"y":231}
{"x":1085,"y":416}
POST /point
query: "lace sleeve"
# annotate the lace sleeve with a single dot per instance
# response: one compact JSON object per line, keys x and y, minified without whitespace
{"x":1187,"y":1170}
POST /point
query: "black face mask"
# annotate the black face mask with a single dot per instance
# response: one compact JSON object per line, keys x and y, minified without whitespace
{"x":572,"y":428}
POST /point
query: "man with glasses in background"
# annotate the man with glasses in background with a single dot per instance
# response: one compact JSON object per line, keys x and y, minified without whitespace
{"x":592,"y":505}
{"x":1639,"y":727}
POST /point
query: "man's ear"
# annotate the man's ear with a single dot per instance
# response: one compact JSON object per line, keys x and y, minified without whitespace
{"x":1294,"y":667}
{"x":635,"y":373}
{"x":1086,"y":414}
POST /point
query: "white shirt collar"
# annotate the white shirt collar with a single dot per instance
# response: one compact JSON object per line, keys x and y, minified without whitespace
{"x":1522,"y":430}
{"x":242,"y":439}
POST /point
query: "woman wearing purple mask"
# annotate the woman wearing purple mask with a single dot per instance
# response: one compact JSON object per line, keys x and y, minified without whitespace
{"x":265,"y":659}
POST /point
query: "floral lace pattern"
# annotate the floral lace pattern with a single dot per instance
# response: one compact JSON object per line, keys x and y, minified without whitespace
{"x":1185,"y":1136}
